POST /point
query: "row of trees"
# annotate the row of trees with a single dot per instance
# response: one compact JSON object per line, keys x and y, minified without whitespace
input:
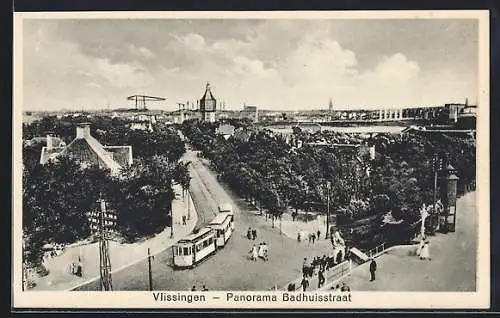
{"x":57,"y":196}
{"x":267,"y":170}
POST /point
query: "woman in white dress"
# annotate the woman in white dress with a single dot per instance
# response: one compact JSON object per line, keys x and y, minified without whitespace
{"x":253,"y":253}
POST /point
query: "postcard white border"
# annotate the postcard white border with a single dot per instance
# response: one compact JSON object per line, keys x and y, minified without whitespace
{"x":361,"y":300}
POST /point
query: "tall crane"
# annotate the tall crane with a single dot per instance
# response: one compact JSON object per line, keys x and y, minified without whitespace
{"x":140,"y":100}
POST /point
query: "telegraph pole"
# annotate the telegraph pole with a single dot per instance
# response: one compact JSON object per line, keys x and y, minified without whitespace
{"x":150,"y":272}
{"x":437,"y":164}
{"x":102,"y":223}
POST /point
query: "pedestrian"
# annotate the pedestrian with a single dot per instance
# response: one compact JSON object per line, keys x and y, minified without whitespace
{"x":310,"y":238}
{"x":205,"y":288}
{"x":304,"y":267}
{"x":183,"y":220}
{"x":254,"y":253}
{"x":313,"y":237}
{"x":373,"y":268}
{"x":298,"y":237}
{"x":304,"y":283}
{"x":79,"y":269}
{"x":323,"y":262}
{"x":254,"y":234}
{"x":424,"y":253}
{"x":321,"y":279}
{"x":318,"y":233}
{"x":249,"y":233}
{"x":193,"y":288}
{"x":265,"y":250}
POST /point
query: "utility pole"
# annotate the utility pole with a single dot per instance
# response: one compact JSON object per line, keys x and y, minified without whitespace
{"x":328,"y":185}
{"x":102,"y":223}
{"x":24,"y":285}
{"x":436,"y":164}
{"x":150,"y":272}
{"x":172,"y":220}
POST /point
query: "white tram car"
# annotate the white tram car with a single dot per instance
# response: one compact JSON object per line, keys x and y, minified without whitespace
{"x":223,"y":226}
{"x":194,"y":248}
{"x":228,"y":208}
{"x":198,"y":246}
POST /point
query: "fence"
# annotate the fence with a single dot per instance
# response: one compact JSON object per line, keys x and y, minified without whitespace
{"x":339,"y":270}
{"x":376,"y":250}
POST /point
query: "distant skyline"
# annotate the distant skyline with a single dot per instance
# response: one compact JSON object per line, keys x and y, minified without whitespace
{"x":272,"y":64}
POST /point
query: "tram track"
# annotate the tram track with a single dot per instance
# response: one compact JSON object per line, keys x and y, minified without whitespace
{"x":203,"y":200}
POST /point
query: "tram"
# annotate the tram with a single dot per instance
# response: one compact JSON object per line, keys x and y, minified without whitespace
{"x":227,"y":208}
{"x":222,"y":224}
{"x":194,"y":248}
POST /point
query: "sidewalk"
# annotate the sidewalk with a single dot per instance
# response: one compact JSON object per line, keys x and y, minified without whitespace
{"x":452,"y":267}
{"x":122,"y":255}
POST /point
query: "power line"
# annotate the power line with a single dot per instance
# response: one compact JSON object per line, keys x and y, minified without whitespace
{"x":102,"y":224}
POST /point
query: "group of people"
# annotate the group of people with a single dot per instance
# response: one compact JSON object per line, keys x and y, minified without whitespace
{"x":204,"y":288}
{"x":58,"y":249}
{"x":311,"y":237}
{"x":252,"y":234}
{"x":259,"y":252}
{"x":76,"y":268}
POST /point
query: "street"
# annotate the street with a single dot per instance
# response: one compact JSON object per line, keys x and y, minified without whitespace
{"x":230,"y":268}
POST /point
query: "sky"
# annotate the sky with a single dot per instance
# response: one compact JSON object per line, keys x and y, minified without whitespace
{"x":273,"y":64}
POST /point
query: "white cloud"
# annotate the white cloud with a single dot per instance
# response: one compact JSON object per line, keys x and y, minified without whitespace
{"x":94,"y":85}
{"x":256,"y":67}
{"x":141,"y":52}
{"x":277,"y":65}
{"x":193,"y":41}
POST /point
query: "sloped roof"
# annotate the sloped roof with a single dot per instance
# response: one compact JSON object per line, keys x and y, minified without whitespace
{"x":47,"y":153}
{"x":121,"y":154}
{"x":208,"y":94}
{"x":88,"y":149}
{"x":226,"y":130}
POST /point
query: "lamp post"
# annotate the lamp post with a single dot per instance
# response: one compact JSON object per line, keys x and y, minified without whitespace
{"x":328,"y":186}
{"x":437,"y":163}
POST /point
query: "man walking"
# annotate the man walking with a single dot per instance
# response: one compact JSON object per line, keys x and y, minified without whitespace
{"x":304,"y":283}
{"x":321,"y":279}
{"x":373,"y":268}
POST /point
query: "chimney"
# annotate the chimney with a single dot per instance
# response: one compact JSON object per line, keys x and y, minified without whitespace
{"x":50,"y":141}
{"x":83,"y":130}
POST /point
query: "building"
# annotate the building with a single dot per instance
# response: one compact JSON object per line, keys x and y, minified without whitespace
{"x":89,"y":152}
{"x":208,"y":105}
{"x":225,"y":130}
{"x":467,"y":117}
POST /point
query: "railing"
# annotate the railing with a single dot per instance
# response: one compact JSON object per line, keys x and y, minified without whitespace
{"x":376,"y":250}
{"x":339,"y":270}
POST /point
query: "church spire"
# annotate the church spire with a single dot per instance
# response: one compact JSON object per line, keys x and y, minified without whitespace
{"x":330,"y":105}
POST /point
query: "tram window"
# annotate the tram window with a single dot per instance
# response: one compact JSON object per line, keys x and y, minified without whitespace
{"x":210,"y":241}
{"x":198,"y":247}
{"x":186,"y":251}
{"x":205,"y":243}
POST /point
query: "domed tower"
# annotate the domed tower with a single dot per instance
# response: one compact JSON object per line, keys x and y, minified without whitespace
{"x":208,"y":105}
